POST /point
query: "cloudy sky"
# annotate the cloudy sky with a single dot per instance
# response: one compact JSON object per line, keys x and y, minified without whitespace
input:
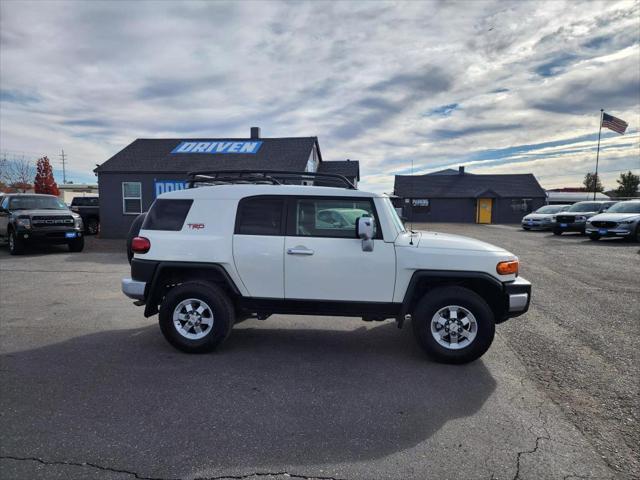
{"x":499,"y":87}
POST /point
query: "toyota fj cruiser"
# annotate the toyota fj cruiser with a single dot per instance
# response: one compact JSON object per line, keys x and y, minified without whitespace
{"x":254,"y":244}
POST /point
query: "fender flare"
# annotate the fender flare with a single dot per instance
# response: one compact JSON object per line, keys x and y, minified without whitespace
{"x":213,"y":271}
{"x":446,"y":276}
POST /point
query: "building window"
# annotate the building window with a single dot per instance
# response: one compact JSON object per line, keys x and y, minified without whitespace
{"x":420,"y":205}
{"x":131,"y":198}
{"x":521,"y":205}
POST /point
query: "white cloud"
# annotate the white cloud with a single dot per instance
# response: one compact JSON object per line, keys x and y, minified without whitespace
{"x":364,"y":77}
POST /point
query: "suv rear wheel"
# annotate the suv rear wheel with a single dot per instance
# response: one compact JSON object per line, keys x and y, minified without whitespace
{"x":453,"y":325}
{"x":196,"y":317}
{"x":92,"y":226}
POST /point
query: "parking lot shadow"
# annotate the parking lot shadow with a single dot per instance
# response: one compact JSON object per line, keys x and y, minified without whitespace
{"x":270,"y":396}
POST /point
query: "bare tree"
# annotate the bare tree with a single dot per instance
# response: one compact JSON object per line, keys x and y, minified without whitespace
{"x":17,"y":173}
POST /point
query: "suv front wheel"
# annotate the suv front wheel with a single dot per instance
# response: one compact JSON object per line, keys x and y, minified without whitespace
{"x":196,"y":317}
{"x":16,"y":245}
{"x":453,"y":325}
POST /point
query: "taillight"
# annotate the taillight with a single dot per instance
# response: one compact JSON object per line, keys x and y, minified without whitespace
{"x":508,"y":268}
{"x":140,"y":245}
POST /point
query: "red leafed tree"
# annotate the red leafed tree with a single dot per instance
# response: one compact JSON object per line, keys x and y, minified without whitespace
{"x":44,"y":182}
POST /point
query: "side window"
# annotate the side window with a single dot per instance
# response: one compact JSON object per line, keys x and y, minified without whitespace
{"x":328,"y":217}
{"x":131,"y":198}
{"x":260,"y":216}
{"x":5,"y":202}
{"x":167,"y":214}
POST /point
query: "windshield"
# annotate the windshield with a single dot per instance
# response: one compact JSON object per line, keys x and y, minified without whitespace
{"x":552,"y":209}
{"x":393,"y":214}
{"x":35,"y":202}
{"x":584,"y":207}
{"x":625,"y":207}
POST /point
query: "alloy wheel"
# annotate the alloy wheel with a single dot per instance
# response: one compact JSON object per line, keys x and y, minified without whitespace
{"x":193,"y":318}
{"x":454,"y":327}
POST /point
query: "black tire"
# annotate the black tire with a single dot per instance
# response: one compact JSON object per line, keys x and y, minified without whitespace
{"x":76,"y":245}
{"x":636,"y":237}
{"x":526,"y":228}
{"x":594,"y":236}
{"x":439,"y":298}
{"x":557,"y":231}
{"x":16,"y":245}
{"x":221,"y":310}
{"x":92,"y":226}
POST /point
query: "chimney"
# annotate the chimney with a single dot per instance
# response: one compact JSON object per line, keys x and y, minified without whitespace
{"x":461,"y":170}
{"x":255,"y":133}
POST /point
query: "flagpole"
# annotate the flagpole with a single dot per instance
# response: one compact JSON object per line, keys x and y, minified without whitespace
{"x":595,"y":180}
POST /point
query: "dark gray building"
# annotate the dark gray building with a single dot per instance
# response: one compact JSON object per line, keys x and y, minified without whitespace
{"x":458,"y":196}
{"x":130,"y":180}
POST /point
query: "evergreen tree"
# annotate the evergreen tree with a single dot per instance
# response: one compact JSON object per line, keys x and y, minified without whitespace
{"x":628,"y":184}
{"x":591,"y":180}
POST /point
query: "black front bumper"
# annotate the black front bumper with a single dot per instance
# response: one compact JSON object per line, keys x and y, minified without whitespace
{"x":48,"y":235}
{"x":570,"y":227}
{"x":517,"y":297}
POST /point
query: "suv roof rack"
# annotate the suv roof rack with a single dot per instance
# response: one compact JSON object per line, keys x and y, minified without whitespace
{"x":271,"y":177}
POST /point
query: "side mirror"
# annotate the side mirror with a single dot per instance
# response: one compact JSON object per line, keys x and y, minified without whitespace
{"x":364,"y":230}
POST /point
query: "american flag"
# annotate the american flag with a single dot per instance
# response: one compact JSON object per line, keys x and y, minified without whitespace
{"x":613,"y":123}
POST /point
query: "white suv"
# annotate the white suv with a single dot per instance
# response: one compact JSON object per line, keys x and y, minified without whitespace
{"x":249,"y":244}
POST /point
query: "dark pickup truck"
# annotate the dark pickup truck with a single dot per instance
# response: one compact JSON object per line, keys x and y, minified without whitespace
{"x":33,"y":218}
{"x":89,"y":209}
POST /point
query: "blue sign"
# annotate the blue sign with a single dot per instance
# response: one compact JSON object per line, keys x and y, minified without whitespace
{"x":211,"y":147}
{"x":164,"y":186}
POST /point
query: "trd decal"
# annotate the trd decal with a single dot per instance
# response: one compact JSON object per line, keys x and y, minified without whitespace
{"x":195,"y":226}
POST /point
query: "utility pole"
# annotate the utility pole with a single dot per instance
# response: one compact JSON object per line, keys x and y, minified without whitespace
{"x":64,"y":171}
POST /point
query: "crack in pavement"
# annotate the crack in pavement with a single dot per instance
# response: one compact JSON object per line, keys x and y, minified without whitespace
{"x":141,"y":477}
{"x":535,"y":449}
{"x":78,"y":464}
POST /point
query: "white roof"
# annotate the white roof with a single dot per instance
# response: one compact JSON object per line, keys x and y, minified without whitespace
{"x":572,"y":197}
{"x":237,"y":191}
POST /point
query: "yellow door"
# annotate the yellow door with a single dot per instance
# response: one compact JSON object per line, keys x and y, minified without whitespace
{"x":484,"y":210}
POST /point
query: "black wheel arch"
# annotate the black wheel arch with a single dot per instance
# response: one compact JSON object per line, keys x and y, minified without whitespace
{"x":489,"y":288}
{"x":162,"y":276}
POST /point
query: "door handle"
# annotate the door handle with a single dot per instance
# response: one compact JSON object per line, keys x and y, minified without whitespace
{"x":299,"y":251}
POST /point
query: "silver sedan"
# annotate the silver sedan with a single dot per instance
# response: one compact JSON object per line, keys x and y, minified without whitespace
{"x":542,"y":218}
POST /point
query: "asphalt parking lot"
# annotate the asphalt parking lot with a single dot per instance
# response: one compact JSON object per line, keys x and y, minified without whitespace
{"x":91,"y":390}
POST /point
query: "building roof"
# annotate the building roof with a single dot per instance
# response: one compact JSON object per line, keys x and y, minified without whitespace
{"x":154,"y":155}
{"x":347,"y":168}
{"x":564,"y":196}
{"x":468,"y":186}
{"x":448,"y":171}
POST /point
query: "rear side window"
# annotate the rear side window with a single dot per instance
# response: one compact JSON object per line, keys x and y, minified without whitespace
{"x":84,"y":202}
{"x":260,"y":216}
{"x":167,"y":214}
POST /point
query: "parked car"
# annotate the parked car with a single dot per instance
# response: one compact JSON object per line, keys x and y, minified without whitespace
{"x":621,"y":220}
{"x":35,"y":218}
{"x":574,"y":218}
{"x":208,"y":255}
{"x":89,"y":209}
{"x":542,"y":218}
